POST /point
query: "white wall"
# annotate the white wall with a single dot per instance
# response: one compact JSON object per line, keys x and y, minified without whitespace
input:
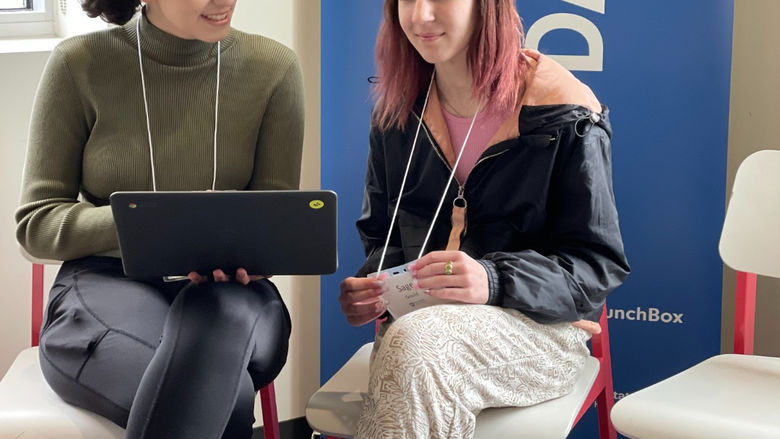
{"x":295,"y":24}
{"x":753,"y":121}
{"x":19,"y":77}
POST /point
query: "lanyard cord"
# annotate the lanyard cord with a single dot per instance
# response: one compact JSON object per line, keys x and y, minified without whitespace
{"x":146,"y":108}
{"x":406,"y":173}
{"x":216,"y":116}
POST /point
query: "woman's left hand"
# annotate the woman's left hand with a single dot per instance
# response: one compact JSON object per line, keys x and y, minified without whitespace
{"x":592,"y":327}
{"x":241,"y":277}
{"x":451,"y":275}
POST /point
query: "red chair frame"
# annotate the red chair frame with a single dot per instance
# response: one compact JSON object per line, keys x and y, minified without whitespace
{"x":602,"y":390}
{"x":267,"y":393}
{"x":745,"y":313}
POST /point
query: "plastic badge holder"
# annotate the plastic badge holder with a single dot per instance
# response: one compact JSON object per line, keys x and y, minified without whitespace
{"x":399,"y":294}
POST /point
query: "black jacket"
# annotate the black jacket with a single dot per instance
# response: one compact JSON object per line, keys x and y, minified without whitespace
{"x":541,"y":214}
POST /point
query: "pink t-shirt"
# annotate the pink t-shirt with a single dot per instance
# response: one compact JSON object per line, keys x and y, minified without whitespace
{"x":485,"y":127}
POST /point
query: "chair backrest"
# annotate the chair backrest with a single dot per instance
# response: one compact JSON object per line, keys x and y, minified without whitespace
{"x":750,"y":239}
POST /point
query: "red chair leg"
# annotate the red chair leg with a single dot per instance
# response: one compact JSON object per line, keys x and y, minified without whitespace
{"x":601,"y":392}
{"x":37,"y":303}
{"x":270,"y":415}
{"x":604,"y":402}
{"x":606,"y":398}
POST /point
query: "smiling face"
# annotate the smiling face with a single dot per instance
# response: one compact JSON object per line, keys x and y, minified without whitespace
{"x":440,"y":30}
{"x":205,"y":20}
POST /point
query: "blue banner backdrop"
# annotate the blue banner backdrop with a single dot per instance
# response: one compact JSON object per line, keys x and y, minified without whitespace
{"x":663,"y":68}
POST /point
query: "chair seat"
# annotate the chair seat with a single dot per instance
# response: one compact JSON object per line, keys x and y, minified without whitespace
{"x":29,"y":408}
{"x":724,"y":397}
{"x":334,"y":409}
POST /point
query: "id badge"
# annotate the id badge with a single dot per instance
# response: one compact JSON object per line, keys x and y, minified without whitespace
{"x":399,"y":294}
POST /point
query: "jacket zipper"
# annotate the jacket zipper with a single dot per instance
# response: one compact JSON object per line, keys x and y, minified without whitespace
{"x":461,"y":187}
{"x":462,"y":190}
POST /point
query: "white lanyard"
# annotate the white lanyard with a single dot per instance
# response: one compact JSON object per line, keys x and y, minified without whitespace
{"x":406,"y":173}
{"x":146,"y":107}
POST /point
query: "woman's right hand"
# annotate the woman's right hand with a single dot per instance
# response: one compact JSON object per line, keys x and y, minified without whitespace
{"x":359,"y":299}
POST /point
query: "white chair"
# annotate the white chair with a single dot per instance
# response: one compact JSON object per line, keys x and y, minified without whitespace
{"x":29,"y":408}
{"x":733,"y":395}
{"x":335,"y":408}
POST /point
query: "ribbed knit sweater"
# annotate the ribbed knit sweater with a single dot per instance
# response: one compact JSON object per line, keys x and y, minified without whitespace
{"x":88,"y":135}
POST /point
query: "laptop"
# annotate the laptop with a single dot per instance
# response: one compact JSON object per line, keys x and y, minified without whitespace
{"x":266,"y":232}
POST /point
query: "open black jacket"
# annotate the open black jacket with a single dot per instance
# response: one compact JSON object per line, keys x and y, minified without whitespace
{"x":541,"y":215}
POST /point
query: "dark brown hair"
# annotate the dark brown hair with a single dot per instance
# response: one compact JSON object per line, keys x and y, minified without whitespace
{"x":111,"y":11}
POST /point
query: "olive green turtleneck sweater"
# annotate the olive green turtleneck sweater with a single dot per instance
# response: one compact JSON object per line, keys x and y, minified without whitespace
{"x":88,"y":131}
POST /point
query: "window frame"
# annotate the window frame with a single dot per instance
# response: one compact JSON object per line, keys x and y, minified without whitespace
{"x":40,"y":21}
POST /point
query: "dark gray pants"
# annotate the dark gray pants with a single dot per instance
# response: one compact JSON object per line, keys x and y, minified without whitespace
{"x":164,"y":360}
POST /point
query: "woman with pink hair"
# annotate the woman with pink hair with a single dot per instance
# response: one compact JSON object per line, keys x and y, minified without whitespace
{"x":526,"y":243}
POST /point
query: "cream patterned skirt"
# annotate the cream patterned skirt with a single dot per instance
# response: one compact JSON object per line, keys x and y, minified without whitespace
{"x":432,"y":371}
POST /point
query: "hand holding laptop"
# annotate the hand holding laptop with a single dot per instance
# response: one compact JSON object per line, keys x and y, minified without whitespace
{"x":241,"y":276}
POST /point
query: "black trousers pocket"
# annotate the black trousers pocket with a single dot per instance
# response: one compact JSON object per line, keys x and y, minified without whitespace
{"x":71,"y":333}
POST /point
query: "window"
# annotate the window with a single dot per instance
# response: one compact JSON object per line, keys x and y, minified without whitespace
{"x":27,"y":18}
{"x":15,"y":5}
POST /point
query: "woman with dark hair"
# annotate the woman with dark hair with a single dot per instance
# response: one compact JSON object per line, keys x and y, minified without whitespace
{"x":526,"y":242}
{"x":170,"y":99}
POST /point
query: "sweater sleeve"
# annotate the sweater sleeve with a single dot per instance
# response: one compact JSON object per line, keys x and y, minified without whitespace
{"x":51,"y":222}
{"x":280,"y":140}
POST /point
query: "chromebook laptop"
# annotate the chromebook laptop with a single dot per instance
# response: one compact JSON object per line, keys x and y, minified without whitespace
{"x":265,"y":232}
